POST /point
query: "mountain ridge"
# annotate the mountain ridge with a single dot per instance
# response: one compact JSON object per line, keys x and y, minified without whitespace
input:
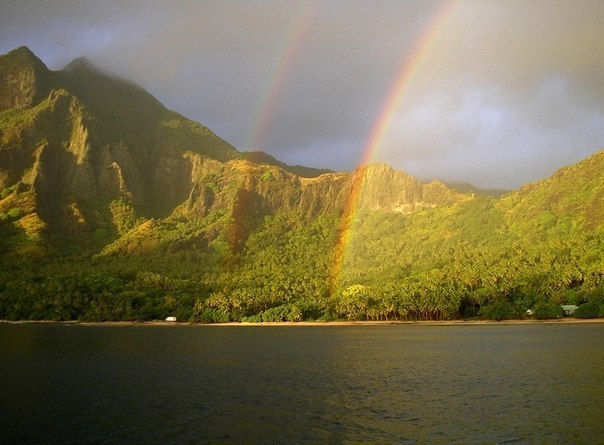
{"x":114,"y":207}
{"x":96,"y":140}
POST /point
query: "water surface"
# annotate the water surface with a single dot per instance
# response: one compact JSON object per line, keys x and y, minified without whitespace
{"x":538,"y":383}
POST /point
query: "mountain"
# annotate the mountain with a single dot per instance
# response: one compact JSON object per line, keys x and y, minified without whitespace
{"x":25,"y":79}
{"x":76,"y":140}
{"x":114,"y":207}
{"x":83,"y":152}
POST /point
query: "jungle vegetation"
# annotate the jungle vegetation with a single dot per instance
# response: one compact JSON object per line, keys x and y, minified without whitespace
{"x":466,"y":261}
{"x":113,"y":207}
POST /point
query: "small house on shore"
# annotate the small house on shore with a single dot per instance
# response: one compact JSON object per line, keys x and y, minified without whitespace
{"x":569,"y":309}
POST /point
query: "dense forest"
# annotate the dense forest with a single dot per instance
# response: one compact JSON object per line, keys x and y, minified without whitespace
{"x":114,"y":208}
{"x":460,"y":262}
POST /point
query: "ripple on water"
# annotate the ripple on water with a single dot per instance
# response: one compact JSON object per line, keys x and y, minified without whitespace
{"x":381,"y":384}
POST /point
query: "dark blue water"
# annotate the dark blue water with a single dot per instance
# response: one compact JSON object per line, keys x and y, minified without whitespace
{"x":539,"y":383}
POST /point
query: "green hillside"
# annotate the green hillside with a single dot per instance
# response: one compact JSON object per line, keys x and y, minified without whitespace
{"x":114,"y":208}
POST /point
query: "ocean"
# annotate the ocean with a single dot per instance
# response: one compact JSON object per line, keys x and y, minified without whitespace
{"x":411,"y":384}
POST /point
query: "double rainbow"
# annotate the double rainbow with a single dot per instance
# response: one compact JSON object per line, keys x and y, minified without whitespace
{"x":282,"y":67}
{"x":410,"y":68}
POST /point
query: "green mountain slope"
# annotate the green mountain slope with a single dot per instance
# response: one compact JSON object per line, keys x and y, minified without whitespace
{"x":77,"y":144}
{"x":113,"y":207}
{"x":571,"y":199}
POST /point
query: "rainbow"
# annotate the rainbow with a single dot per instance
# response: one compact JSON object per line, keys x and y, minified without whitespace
{"x":408,"y":71}
{"x":281,"y":70}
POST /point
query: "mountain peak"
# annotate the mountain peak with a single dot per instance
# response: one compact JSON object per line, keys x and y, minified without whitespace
{"x":24,"y":79}
{"x":19,"y":59}
{"x":22,"y":51}
{"x":81,"y":64}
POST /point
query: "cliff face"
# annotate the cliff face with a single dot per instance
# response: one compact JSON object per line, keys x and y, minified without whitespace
{"x":267,"y":189}
{"x":384,"y":188}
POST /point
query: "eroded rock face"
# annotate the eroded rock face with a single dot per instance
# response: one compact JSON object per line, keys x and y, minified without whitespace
{"x":386,"y":189}
{"x":24,"y":79}
{"x":268,"y":189}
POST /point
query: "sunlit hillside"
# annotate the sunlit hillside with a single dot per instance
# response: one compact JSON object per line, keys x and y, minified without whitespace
{"x":113,"y":207}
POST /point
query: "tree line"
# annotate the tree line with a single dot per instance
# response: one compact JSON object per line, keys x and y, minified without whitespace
{"x":426,"y":266}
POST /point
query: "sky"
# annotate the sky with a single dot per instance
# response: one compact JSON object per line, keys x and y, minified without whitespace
{"x":497,"y":93}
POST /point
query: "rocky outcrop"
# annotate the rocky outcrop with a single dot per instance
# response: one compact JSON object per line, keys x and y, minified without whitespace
{"x":265,"y":189}
{"x":383,"y":188}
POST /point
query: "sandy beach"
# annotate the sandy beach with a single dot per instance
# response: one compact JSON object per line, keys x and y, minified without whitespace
{"x":567,"y":320}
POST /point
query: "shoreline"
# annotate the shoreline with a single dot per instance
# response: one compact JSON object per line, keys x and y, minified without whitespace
{"x":568,"y":320}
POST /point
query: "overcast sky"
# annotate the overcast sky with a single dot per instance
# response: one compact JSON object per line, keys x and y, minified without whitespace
{"x":497,"y":92}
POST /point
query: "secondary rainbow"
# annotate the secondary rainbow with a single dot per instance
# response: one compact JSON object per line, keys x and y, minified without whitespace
{"x":409,"y":70}
{"x":281,"y":71}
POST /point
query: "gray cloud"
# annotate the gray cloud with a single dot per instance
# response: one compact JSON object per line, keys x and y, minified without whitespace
{"x":508,"y":92}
